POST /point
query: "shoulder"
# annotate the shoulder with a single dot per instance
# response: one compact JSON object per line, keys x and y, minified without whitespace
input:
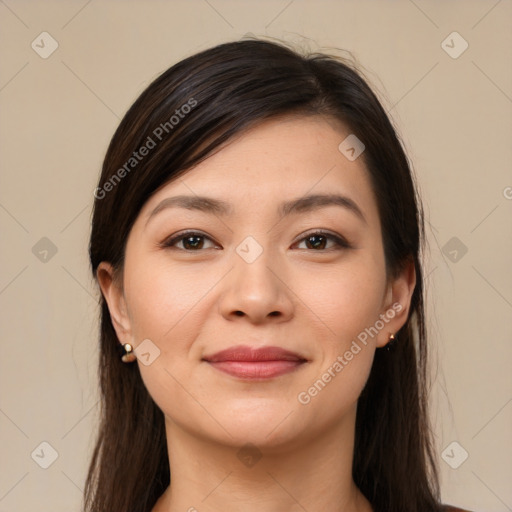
{"x":451,"y":508}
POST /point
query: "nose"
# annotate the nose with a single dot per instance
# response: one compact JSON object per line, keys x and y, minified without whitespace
{"x":257,"y":292}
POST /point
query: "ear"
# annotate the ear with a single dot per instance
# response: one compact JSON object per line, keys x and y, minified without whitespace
{"x":113,"y":293}
{"x":397,"y":303}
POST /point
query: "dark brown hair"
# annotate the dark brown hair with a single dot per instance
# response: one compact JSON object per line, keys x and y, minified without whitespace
{"x":229,"y":88}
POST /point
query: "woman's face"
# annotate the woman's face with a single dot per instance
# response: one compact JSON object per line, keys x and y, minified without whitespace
{"x":254,"y":273}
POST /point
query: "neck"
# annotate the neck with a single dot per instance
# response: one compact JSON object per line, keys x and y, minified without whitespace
{"x":313,"y":474}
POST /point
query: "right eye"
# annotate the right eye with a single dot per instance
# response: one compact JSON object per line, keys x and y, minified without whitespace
{"x":192,"y":241}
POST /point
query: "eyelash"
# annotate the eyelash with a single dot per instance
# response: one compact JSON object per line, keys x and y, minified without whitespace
{"x":339,"y":241}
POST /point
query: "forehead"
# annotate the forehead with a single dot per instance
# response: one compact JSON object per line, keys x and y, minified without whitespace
{"x":274,"y":161}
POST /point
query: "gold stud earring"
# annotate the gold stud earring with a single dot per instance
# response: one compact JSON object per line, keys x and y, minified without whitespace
{"x":128,"y":356}
{"x":391,"y":343}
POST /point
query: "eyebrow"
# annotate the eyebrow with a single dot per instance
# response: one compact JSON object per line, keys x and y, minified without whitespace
{"x":222,"y":208}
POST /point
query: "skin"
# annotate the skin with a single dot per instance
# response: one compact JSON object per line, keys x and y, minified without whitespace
{"x":310,"y":300}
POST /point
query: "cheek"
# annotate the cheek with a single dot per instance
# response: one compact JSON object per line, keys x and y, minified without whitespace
{"x":344,"y":380}
{"x":163,"y":299}
{"x":347,"y":298}
{"x":164,"y":307}
{"x":347,"y":302}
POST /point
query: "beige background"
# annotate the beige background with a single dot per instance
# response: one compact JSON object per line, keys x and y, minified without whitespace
{"x":59,"y":113}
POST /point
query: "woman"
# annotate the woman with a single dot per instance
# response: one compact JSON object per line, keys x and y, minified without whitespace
{"x":256,"y":238}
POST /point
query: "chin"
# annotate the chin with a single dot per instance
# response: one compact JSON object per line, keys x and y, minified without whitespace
{"x":274,"y":426}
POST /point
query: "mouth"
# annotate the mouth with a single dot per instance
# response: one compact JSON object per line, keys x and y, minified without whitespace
{"x":255,"y":363}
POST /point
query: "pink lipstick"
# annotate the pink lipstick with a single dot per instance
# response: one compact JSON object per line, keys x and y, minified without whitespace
{"x":255,"y":363}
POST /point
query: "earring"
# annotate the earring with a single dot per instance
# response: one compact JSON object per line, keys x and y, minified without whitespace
{"x":391,"y":342}
{"x":128,"y":356}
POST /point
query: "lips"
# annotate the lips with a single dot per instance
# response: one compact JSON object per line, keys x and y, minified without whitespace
{"x":249,"y":354}
{"x":255,"y":363}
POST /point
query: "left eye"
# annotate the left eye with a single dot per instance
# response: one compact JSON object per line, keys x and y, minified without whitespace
{"x":319,"y":240}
